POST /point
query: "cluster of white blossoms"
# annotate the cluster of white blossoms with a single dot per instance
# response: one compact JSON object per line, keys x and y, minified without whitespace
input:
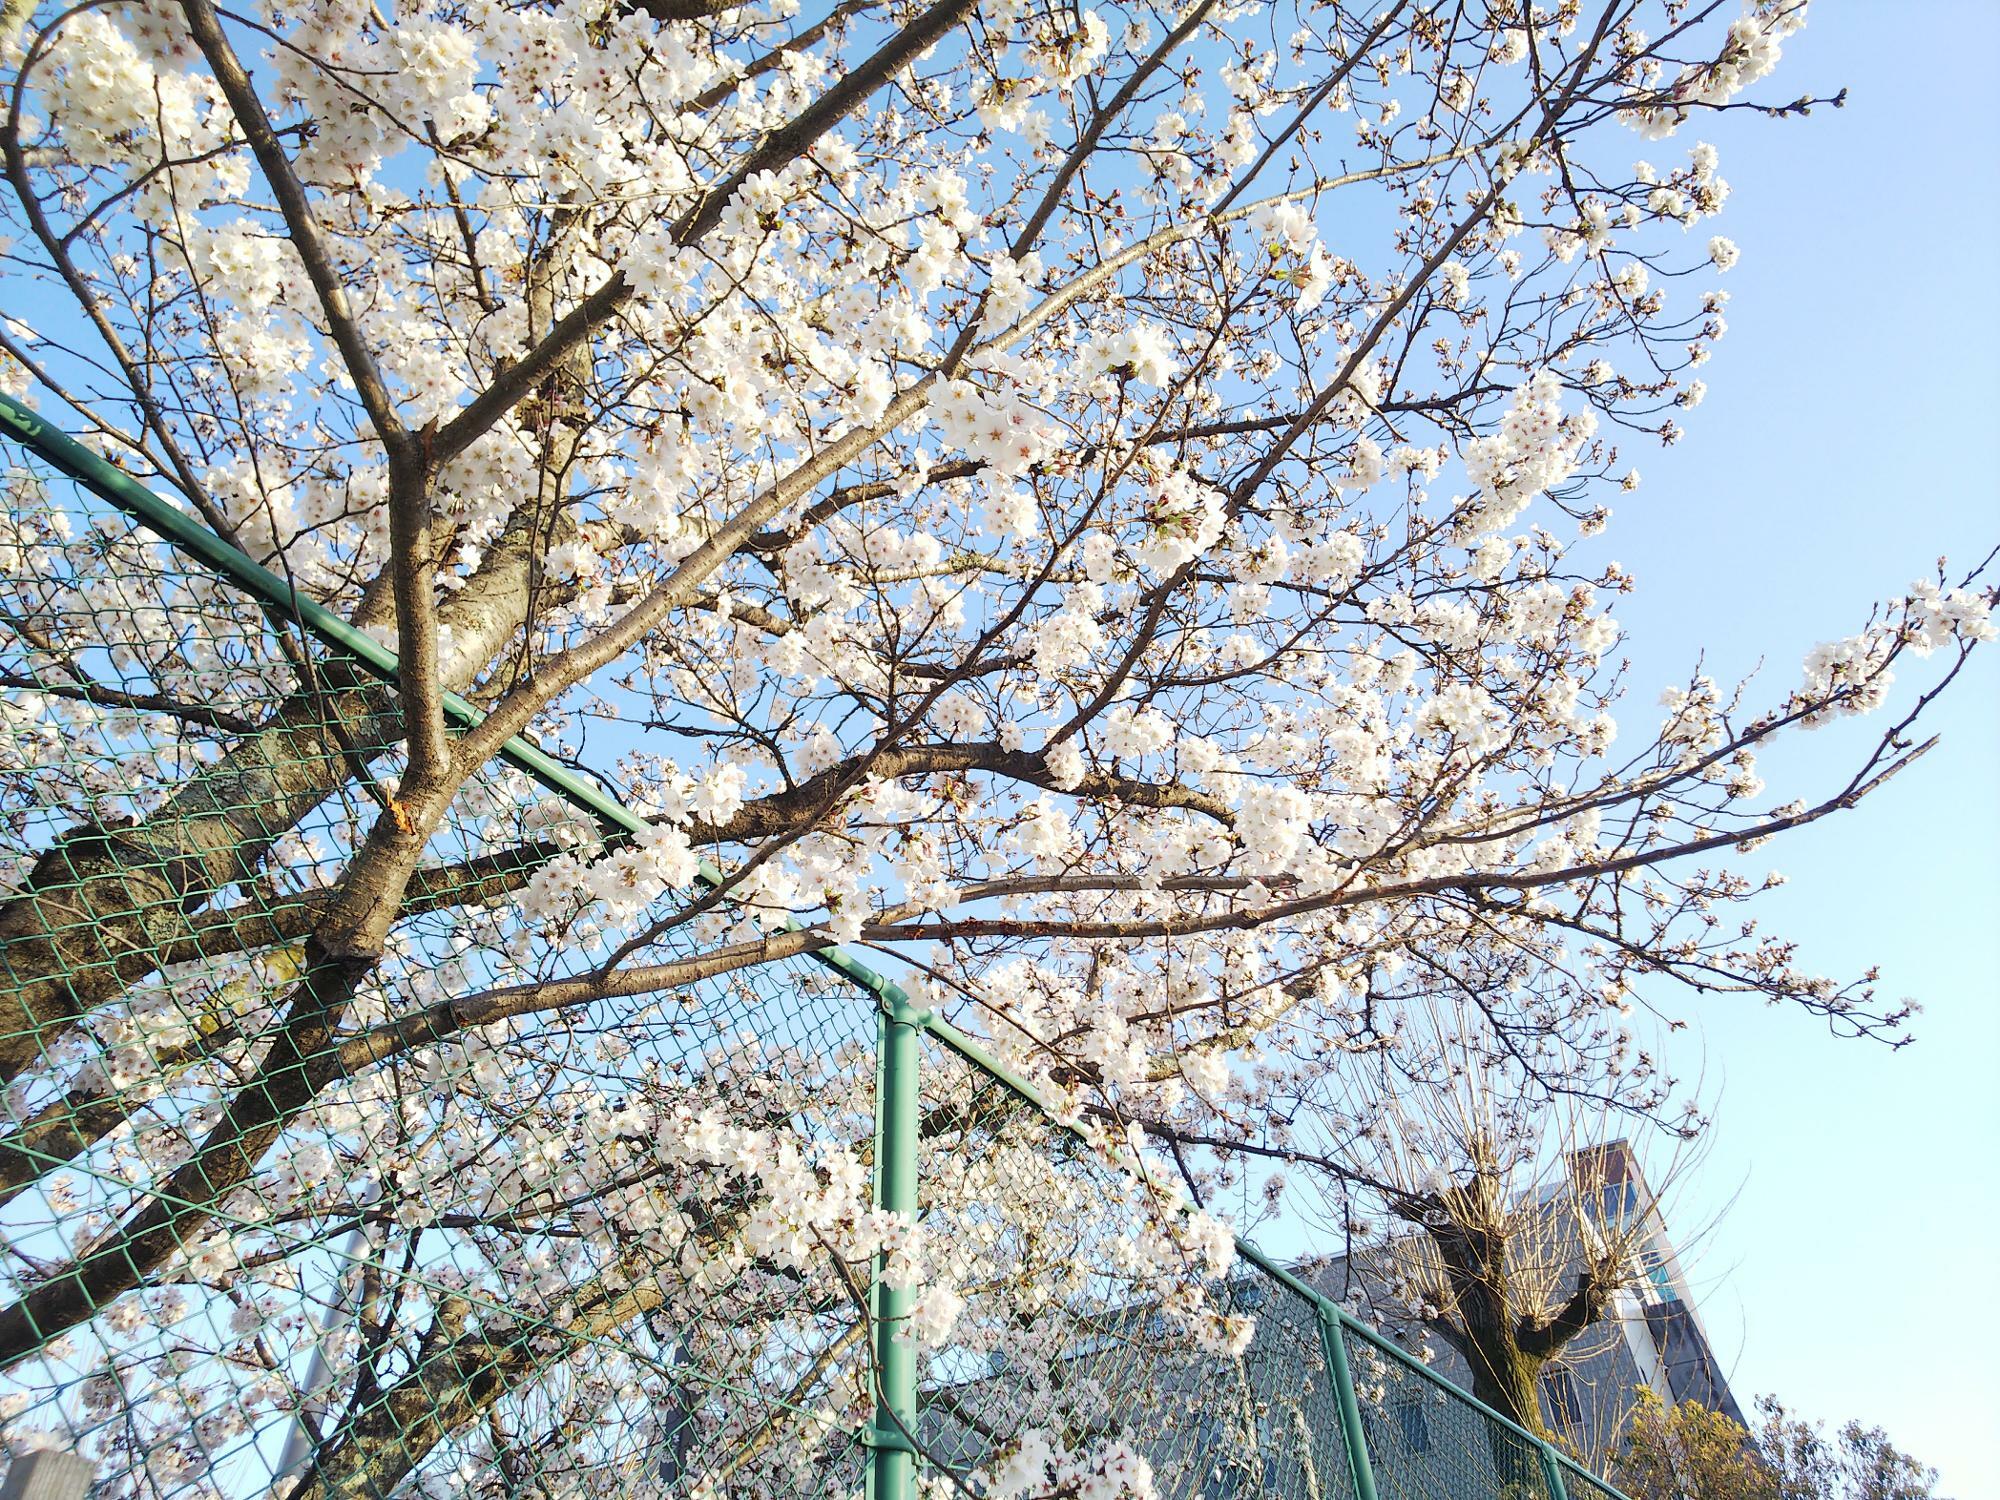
{"x":1066,"y":765}
{"x":1037,"y":1466}
{"x":807,"y":1205}
{"x":931,"y":466}
{"x":1937,"y":616}
{"x":1466,"y":715}
{"x":1749,"y":54}
{"x":1139,"y":352}
{"x":624,"y":883}
{"x":121,"y":85}
{"x":1003,"y":430}
{"x":1066,"y":47}
{"x":1184,"y":520}
{"x":1854,"y":675}
{"x":1131,"y":734}
{"x":1067,"y":639}
{"x":1273,"y":825}
{"x":1535,"y":449}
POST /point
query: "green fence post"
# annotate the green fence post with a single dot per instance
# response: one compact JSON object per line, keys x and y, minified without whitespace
{"x":1353,"y":1436}
{"x":892,"y":1457}
{"x":1552,"y":1471}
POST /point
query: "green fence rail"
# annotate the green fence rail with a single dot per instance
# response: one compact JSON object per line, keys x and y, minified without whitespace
{"x":610,"y":1246}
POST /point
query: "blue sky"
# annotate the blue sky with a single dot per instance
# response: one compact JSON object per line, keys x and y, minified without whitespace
{"x":1848,"y":439}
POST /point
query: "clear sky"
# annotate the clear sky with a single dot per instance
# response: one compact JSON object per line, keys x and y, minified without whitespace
{"x":1849,"y":438}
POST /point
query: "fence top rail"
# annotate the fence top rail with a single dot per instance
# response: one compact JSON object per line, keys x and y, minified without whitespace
{"x":115,"y":486}
{"x":110,"y":483}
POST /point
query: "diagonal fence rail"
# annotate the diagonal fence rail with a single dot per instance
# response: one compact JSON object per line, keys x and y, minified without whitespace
{"x":659,"y":1244}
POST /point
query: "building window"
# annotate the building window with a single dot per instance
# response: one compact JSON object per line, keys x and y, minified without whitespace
{"x":1221,"y":1479}
{"x":1560,"y":1388}
{"x":1619,"y":1201}
{"x":1659,"y":1280}
{"x":1607,"y":1181}
{"x":1234,"y":1472}
{"x":1415,"y":1423}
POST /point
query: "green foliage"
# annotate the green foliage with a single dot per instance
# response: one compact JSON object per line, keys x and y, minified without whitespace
{"x":1689,"y":1452}
{"x":1858,"y":1463}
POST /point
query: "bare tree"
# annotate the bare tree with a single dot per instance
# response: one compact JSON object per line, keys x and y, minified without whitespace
{"x":1493,"y":1205}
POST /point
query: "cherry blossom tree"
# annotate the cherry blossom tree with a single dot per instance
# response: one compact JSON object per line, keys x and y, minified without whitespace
{"x":1096,"y":504}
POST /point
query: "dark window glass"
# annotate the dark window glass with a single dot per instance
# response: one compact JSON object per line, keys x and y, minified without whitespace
{"x":1619,"y":1201}
{"x":1561,"y":1388}
{"x":1415,"y":1423}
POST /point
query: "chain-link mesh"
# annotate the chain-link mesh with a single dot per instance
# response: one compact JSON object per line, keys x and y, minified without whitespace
{"x":1426,"y":1441}
{"x":601,"y":1278}
{"x":478,"y":1226}
{"x":404,"y":1238}
{"x":1581,"y":1484}
{"x":1071,"y":1336}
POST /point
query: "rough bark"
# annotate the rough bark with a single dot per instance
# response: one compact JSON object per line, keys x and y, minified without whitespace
{"x":458,"y":1376}
{"x":301,"y":1059}
{"x":76,"y":1121}
{"x":1505,"y":1346}
{"x":102,"y":906}
{"x":451,"y":1385}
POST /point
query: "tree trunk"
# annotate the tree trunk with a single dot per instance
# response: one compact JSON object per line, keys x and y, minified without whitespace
{"x":100,"y":906}
{"x":1505,"y":1379}
{"x":72,"y":1123}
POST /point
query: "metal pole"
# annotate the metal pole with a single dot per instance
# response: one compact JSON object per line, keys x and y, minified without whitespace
{"x":892,"y":1459}
{"x":48,"y":1475}
{"x":1552,"y":1471}
{"x":1351,"y":1430}
{"x":319,"y":1370}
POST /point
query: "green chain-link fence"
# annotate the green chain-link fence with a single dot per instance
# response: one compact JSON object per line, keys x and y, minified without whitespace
{"x":417,"y":1243}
